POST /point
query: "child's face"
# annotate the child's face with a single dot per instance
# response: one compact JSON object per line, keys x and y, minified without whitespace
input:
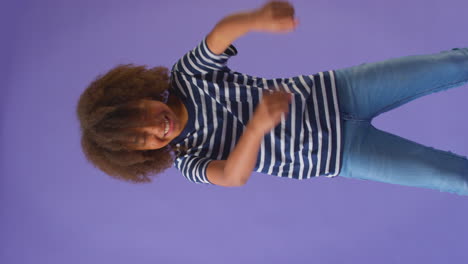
{"x":165,"y":125}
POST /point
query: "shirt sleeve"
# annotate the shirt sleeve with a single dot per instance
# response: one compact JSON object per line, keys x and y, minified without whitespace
{"x":193,"y":168}
{"x":201,"y":60}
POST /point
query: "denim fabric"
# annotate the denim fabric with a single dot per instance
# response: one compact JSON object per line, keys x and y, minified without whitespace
{"x":369,"y":89}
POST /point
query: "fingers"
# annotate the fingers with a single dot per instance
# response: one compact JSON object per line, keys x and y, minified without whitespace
{"x":286,"y":25}
{"x":282,"y":9}
{"x":273,"y":107}
{"x":276,"y":111}
{"x":278,"y":101}
{"x":276,"y":17}
{"x":285,"y":16}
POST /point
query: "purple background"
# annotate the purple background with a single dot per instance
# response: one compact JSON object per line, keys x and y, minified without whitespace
{"x":57,"y":208}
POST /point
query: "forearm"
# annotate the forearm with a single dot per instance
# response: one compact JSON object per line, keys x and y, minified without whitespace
{"x":231,"y":28}
{"x":242,"y":159}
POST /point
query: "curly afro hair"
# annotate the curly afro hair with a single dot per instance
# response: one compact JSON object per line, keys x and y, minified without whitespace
{"x":108,"y":109}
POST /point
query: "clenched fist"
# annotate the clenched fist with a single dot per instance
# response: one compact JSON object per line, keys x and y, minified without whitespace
{"x":270,"y":110}
{"x":275,"y":17}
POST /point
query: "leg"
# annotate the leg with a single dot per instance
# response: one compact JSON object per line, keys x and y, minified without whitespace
{"x":368,"y":90}
{"x":372,"y":154}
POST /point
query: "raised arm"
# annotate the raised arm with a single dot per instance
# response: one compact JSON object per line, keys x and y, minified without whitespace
{"x":274,"y":17}
{"x":229,"y":29}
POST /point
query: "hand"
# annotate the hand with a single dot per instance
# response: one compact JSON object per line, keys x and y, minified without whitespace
{"x":276,"y":17}
{"x":269,"y":111}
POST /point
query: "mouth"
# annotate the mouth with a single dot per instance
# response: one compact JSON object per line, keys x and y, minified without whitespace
{"x":168,"y":126}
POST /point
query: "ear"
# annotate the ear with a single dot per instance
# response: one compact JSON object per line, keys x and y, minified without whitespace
{"x":165,"y":96}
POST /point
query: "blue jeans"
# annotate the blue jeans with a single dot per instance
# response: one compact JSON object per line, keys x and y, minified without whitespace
{"x":369,"y":89}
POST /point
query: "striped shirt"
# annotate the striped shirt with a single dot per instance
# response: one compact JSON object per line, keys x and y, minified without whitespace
{"x":307,"y":143}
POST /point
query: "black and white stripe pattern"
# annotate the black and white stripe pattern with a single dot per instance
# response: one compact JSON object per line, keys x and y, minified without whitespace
{"x":220,"y":103}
